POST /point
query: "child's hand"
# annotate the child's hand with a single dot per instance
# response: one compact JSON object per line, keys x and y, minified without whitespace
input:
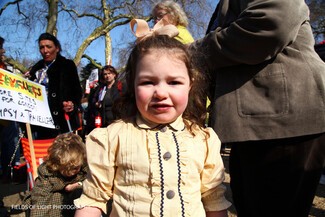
{"x":73,"y":186}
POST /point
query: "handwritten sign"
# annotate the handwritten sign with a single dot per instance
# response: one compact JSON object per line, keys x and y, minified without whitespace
{"x":23,"y":101}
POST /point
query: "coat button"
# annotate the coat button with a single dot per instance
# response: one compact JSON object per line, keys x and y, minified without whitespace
{"x":55,"y":112}
{"x":170,"y":194}
{"x":53,"y":94}
{"x":167,"y":155}
{"x":57,"y":127}
{"x":164,"y":129}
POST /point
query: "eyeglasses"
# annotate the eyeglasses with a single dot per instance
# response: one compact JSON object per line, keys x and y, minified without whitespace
{"x":159,"y":17}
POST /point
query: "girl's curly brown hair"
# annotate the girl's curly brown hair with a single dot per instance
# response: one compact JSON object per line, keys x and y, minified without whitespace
{"x":66,"y":154}
{"x":196,"y":108}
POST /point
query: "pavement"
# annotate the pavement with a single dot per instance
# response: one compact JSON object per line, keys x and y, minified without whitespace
{"x":12,"y":194}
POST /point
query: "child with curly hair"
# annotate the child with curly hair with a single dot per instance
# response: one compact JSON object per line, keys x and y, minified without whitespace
{"x":59,"y":178}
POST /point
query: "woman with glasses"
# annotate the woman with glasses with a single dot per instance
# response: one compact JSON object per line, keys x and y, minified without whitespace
{"x":171,"y":12}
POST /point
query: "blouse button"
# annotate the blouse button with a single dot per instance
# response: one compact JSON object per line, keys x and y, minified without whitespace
{"x":167,"y":156}
{"x":170,"y":194}
{"x":164,"y":129}
{"x":55,"y":112}
{"x":53,"y":94}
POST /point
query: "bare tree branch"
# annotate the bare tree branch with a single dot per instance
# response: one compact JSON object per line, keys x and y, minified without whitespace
{"x":92,"y":61}
{"x":68,"y":10}
{"x":16,"y":65}
{"x":12,"y":3}
{"x":88,"y":22}
{"x":52,"y":17}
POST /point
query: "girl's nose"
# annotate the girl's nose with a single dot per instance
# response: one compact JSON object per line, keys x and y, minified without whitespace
{"x":161,"y":92}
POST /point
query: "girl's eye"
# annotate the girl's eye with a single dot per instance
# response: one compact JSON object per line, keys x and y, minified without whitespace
{"x":145,"y":83}
{"x":175,"y":82}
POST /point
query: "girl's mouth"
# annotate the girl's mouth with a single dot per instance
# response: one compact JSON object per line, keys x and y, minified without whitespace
{"x":161,"y":107}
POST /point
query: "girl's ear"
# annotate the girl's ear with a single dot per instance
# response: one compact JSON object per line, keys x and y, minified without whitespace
{"x":191,"y":84}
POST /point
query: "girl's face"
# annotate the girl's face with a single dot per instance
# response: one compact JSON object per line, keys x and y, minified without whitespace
{"x":48,"y":50}
{"x":162,"y":85}
{"x":159,"y":14}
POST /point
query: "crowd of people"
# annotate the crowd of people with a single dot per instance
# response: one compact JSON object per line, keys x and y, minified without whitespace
{"x":148,"y":150}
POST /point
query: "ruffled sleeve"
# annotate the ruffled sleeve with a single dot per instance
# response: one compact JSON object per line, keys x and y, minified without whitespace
{"x":212,"y":189}
{"x":101,"y":146}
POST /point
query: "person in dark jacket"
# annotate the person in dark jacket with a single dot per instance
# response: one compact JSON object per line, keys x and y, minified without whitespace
{"x":102,"y":98}
{"x":268,"y":103}
{"x":9,"y":133}
{"x":60,"y":78}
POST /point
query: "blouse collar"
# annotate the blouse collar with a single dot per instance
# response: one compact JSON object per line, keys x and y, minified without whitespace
{"x":177,"y":125}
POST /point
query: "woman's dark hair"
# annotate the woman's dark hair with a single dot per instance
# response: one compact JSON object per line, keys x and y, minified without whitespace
{"x":110,"y":68}
{"x":48,"y":36}
{"x":107,"y":67}
{"x":196,"y":108}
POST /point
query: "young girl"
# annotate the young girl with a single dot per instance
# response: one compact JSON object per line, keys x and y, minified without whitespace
{"x":158,"y":160}
{"x":59,"y":178}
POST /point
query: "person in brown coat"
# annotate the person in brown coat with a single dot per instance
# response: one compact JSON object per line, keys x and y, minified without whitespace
{"x":59,"y":179}
{"x":268,"y":97}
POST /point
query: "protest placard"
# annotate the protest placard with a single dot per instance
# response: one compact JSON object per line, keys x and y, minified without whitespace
{"x":23,"y":101}
{"x":92,"y":80}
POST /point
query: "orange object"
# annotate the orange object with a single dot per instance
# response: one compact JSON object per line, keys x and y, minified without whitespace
{"x":67,"y":118}
{"x":80,"y":120}
{"x":40,"y":149}
{"x":98,"y":121}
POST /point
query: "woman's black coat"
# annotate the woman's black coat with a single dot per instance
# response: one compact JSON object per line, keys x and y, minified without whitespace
{"x":64,"y":85}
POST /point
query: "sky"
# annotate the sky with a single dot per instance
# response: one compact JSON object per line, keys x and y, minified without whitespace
{"x":20,"y":45}
{"x":29,"y":47}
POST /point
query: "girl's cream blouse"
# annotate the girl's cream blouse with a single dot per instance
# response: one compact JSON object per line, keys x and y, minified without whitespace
{"x":152,"y":170}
